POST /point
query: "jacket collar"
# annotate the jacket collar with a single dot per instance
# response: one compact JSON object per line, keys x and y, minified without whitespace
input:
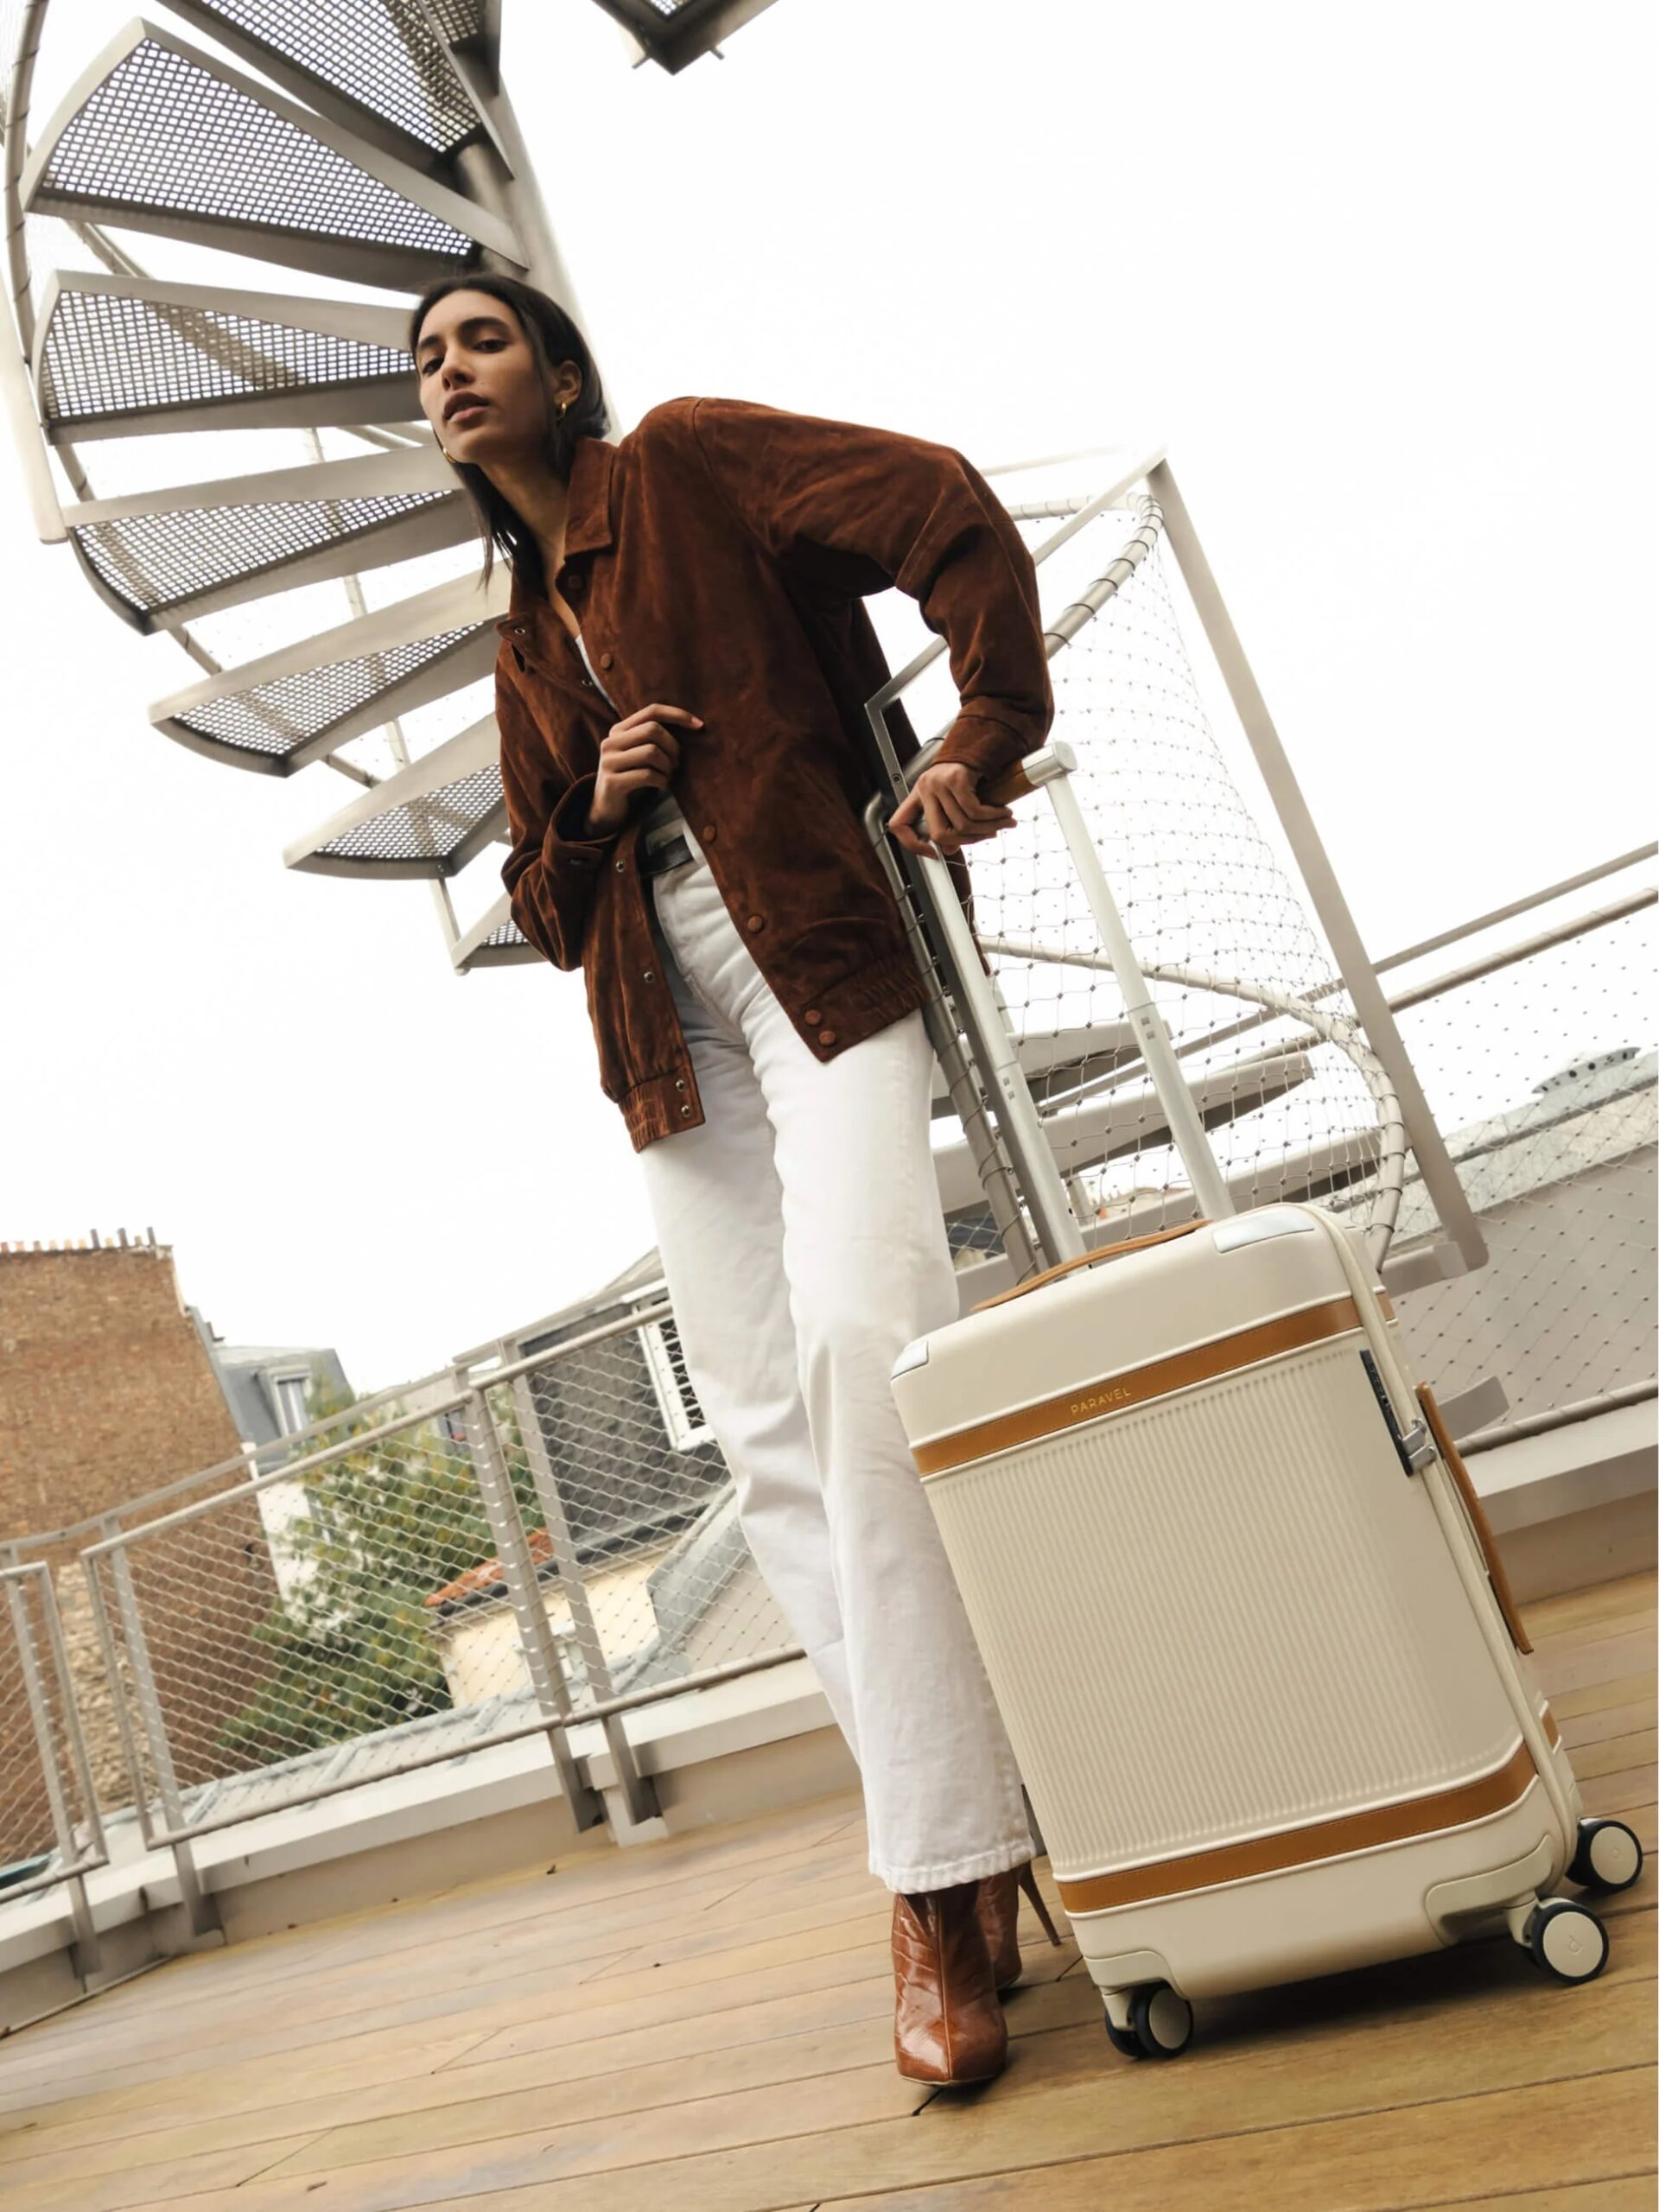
{"x":587,"y":522}
{"x":588,"y":525}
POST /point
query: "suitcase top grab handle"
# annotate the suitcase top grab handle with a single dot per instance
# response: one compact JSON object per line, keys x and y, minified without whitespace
{"x":1090,"y":1260}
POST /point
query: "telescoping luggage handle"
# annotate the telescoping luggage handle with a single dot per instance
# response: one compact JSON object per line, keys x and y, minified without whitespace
{"x":1091,"y":1260}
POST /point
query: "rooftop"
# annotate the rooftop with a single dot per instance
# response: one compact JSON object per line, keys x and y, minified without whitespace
{"x":704,"y":2024}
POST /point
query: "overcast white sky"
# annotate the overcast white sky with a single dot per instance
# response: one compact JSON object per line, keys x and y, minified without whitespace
{"x":1383,"y":281}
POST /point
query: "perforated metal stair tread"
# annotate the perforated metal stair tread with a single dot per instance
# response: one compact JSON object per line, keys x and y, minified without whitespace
{"x":304,"y":701}
{"x":1058,"y":1062}
{"x":117,"y":356}
{"x":156,"y":136}
{"x":430,"y":819}
{"x":1119,"y":1124}
{"x":194,"y":549}
{"x":377,"y":63}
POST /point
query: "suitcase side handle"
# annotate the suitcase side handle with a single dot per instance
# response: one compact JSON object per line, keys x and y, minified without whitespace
{"x":1090,"y":1260}
{"x":1496,"y":1574}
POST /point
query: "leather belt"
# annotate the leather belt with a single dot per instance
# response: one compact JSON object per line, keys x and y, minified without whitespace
{"x":657,"y":860}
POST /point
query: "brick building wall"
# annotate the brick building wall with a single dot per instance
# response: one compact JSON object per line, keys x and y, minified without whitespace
{"x":107,"y":1391}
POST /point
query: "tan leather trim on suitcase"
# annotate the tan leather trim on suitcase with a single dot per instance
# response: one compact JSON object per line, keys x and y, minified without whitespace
{"x":1244,"y":1348}
{"x":1091,"y":1260}
{"x":1496,"y":1574}
{"x":1275,"y":1854}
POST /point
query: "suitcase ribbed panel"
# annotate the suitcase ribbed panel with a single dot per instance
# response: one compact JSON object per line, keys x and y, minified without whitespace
{"x":1160,"y":1699}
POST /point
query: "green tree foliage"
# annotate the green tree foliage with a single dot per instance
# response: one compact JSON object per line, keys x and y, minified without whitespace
{"x":352,"y":1646}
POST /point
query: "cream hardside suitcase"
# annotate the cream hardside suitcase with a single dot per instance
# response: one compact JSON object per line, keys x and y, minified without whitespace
{"x":1233,"y":1587}
{"x":1241,"y":1626}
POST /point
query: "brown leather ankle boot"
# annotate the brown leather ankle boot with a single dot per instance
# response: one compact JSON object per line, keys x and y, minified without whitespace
{"x":998,"y":1918}
{"x":947,"y":2024}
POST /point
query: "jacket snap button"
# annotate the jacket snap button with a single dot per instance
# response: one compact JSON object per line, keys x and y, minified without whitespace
{"x":650,"y":975}
{"x":826,"y":1036}
{"x":813,"y":1014}
{"x":685,"y":1109}
{"x":757,"y":921}
{"x":679,"y":1083}
{"x":605,"y":659}
{"x":621,"y":868}
{"x":709,"y":832}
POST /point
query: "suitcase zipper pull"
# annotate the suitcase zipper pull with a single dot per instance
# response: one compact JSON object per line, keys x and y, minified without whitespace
{"x":1414,"y":1446}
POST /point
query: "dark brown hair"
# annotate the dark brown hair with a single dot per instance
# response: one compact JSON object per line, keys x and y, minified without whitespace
{"x":553,"y":338}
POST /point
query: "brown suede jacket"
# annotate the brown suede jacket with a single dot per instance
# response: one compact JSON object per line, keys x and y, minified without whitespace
{"x":717,"y":558}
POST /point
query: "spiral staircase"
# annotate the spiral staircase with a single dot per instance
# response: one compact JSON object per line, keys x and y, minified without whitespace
{"x":375,"y":148}
{"x":370,"y":146}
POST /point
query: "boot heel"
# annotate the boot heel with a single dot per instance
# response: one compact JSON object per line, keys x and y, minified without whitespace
{"x":1028,"y":1883}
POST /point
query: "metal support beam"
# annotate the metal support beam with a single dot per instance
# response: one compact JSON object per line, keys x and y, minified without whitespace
{"x":1440,"y":1176}
{"x":200,"y":1908}
{"x":638,"y":1791}
{"x":536,"y":1638}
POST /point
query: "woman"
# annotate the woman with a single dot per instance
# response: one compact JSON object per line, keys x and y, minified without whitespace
{"x":680,"y":691}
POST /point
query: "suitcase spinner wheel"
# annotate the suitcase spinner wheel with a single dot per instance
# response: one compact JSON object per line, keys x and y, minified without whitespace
{"x":1158,"y":2022}
{"x":1608,"y":1858}
{"x":1565,"y":1940}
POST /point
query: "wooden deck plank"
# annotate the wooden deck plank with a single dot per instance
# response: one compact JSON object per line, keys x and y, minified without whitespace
{"x":527,"y":1996}
{"x":531,"y":1951}
{"x":543,"y":1987}
{"x":575,"y":1929}
{"x":1613,"y":1720}
{"x":1638,"y":1622}
{"x":232,"y":2087}
{"x":1616,"y":1754}
{"x":1595,"y":1697}
{"x":1633,"y":2193}
{"x":1629,"y":1594}
{"x":704,"y":2024}
{"x":1546,"y":2137}
{"x":1493,"y":2028}
{"x":373,"y":2120}
{"x":1610,"y":1659}
{"x":133,"y":2080}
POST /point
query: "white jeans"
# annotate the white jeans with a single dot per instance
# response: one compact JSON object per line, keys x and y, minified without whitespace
{"x":801,"y":1238}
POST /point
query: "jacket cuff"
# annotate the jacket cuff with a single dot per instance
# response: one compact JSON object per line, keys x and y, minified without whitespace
{"x":987,"y":747}
{"x":568,"y":835}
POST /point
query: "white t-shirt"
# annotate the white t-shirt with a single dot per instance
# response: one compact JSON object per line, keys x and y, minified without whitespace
{"x":664,"y":819}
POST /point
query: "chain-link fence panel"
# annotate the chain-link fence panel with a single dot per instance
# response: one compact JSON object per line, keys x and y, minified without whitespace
{"x":51,"y":1829}
{"x":1542,"y":1075}
{"x":292,"y":1638}
{"x":650,"y":1582}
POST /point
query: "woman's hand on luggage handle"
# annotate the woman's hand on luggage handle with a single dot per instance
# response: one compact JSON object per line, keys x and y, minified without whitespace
{"x":638,"y":754}
{"x":946,"y":806}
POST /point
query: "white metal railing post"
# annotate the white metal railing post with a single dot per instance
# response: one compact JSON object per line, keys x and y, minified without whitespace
{"x":1051,"y":768}
{"x":638,"y":1791}
{"x":1439,"y":1175}
{"x":535,"y":1637}
{"x":202,"y":1913}
{"x":85,"y":1951}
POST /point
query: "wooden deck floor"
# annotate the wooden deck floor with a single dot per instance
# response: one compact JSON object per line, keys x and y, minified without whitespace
{"x":704,"y":2026}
